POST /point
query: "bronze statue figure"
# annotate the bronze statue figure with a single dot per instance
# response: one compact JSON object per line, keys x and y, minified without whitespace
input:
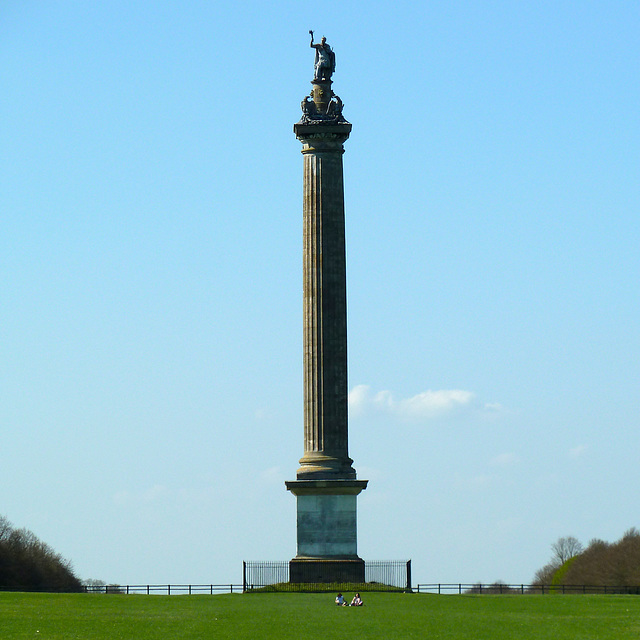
{"x":325,"y":62}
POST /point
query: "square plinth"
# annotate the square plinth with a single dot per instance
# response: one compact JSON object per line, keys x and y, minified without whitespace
{"x":327,"y":518}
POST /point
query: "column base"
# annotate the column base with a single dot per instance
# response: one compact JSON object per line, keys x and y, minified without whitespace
{"x":319,"y":466}
{"x":323,"y":570}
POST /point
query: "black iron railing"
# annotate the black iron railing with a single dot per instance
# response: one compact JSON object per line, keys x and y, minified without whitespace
{"x":379,"y":575}
{"x":523,"y":589}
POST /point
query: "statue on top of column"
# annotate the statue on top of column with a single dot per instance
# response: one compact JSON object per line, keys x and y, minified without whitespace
{"x":322,"y":106}
{"x":325,"y":63}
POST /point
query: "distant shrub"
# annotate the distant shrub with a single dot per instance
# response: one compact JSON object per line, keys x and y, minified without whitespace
{"x":113,"y":588}
{"x":95,"y":586}
{"x":497,"y":587}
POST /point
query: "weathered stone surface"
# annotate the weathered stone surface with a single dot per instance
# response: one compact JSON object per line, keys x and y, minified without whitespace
{"x":325,"y":305}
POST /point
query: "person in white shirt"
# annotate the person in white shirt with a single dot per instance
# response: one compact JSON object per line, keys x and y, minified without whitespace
{"x":357,"y":601}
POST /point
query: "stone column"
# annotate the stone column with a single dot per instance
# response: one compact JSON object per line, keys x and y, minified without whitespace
{"x":326,"y":487}
{"x":325,"y":305}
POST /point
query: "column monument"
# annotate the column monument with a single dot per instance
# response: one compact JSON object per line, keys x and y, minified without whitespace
{"x":326,"y":487}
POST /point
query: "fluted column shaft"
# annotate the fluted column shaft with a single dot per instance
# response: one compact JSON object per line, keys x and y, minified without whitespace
{"x":325,"y":305}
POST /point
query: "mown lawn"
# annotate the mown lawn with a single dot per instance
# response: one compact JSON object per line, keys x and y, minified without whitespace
{"x":285,"y":616}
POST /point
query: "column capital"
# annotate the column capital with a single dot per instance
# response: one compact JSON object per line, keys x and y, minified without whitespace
{"x":322,"y":137}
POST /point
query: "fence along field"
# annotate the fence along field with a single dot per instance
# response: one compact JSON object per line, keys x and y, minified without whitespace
{"x":458,"y":588}
{"x":382,"y":575}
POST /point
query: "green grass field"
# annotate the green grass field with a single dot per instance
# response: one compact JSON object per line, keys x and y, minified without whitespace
{"x":284,"y":616}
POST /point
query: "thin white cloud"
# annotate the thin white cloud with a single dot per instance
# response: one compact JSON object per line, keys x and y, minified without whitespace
{"x":272,"y":476}
{"x":578,"y":452}
{"x":359,"y":397}
{"x":505,"y":460}
{"x":423,"y":406}
{"x":431,"y":403}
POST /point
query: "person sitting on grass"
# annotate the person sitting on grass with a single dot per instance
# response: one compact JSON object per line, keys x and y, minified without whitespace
{"x":340,"y":601}
{"x":357,"y":601}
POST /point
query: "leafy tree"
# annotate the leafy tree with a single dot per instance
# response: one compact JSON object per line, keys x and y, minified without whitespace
{"x":614,"y":565}
{"x":26,"y":563}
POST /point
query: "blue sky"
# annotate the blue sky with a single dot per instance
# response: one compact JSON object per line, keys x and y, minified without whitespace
{"x":151,"y":289}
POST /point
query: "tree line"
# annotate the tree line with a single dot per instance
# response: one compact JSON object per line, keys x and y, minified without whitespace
{"x":27,"y":563}
{"x":610,"y":564}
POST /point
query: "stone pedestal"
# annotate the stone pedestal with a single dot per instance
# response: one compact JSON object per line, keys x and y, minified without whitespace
{"x":327,"y":545}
